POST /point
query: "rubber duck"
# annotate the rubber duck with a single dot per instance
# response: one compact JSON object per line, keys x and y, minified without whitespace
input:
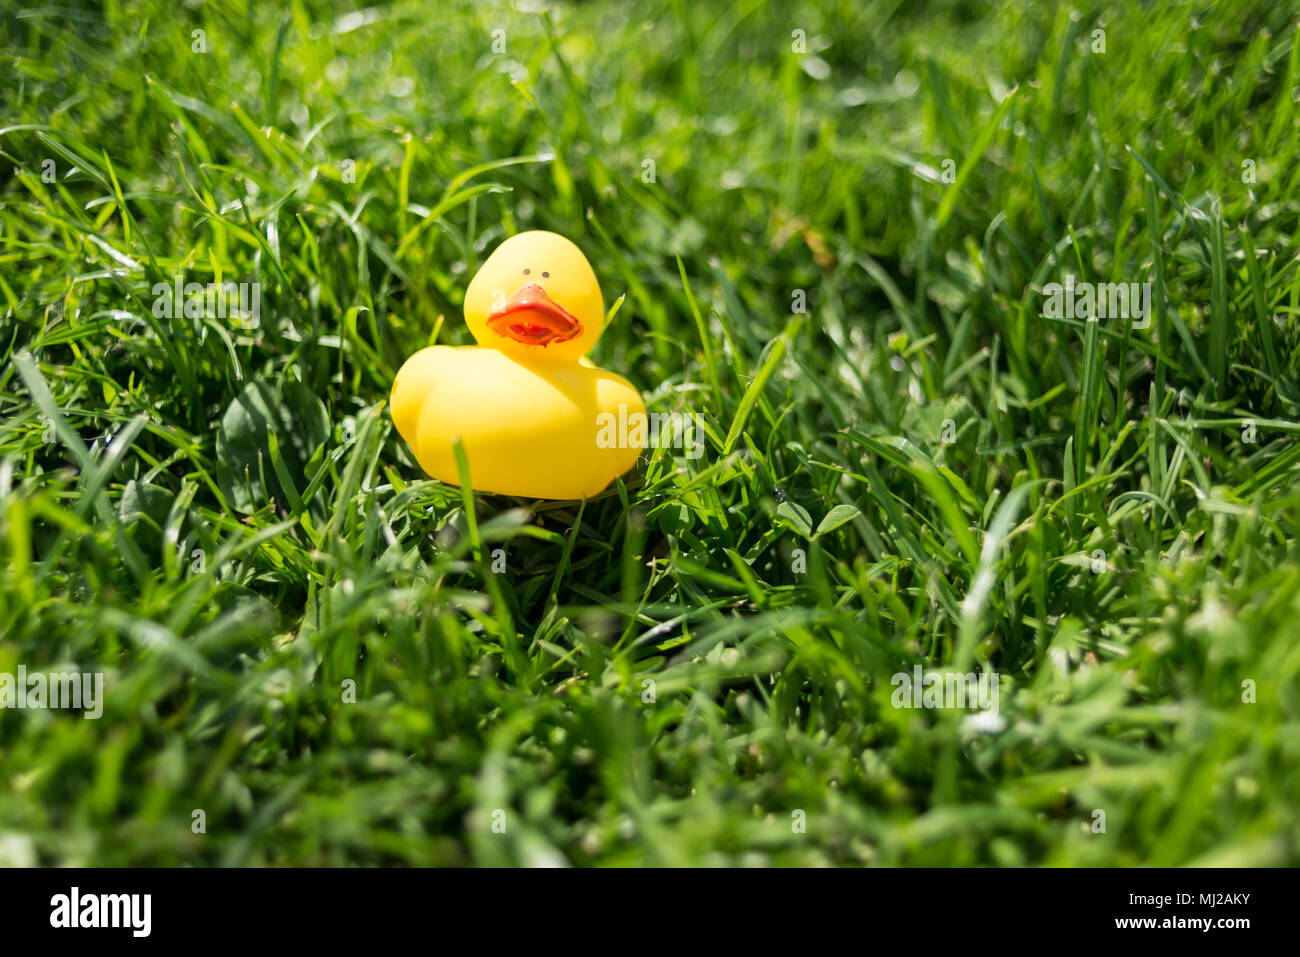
{"x":532,"y":412}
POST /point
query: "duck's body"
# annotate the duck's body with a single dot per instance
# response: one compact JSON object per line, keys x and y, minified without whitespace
{"x":532,"y":413}
{"x":528,"y":430}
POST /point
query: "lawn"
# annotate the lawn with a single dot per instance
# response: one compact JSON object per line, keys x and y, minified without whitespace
{"x":831,"y":231}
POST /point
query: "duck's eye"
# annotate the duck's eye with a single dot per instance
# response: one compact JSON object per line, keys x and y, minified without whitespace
{"x":546,"y":275}
{"x":527,"y":271}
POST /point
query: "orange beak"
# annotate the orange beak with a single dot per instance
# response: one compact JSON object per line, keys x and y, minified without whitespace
{"x":533,"y":318}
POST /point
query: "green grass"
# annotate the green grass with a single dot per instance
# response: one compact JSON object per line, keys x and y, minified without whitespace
{"x":920,"y":470}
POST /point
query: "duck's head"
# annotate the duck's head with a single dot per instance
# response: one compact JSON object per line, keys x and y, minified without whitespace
{"x":536,"y":297}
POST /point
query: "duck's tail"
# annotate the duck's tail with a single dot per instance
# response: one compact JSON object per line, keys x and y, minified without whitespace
{"x":410,"y":389}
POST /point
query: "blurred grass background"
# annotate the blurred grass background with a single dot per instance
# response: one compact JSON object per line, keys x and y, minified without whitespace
{"x":920,"y":469}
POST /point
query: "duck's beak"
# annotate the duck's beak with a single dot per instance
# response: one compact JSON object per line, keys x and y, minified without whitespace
{"x":533,"y":318}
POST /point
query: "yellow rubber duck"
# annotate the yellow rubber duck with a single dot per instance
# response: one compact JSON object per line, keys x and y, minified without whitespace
{"x":534,"y":415}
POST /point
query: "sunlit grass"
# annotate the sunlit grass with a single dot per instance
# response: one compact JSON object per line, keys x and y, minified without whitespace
{"x":308,"y":642}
